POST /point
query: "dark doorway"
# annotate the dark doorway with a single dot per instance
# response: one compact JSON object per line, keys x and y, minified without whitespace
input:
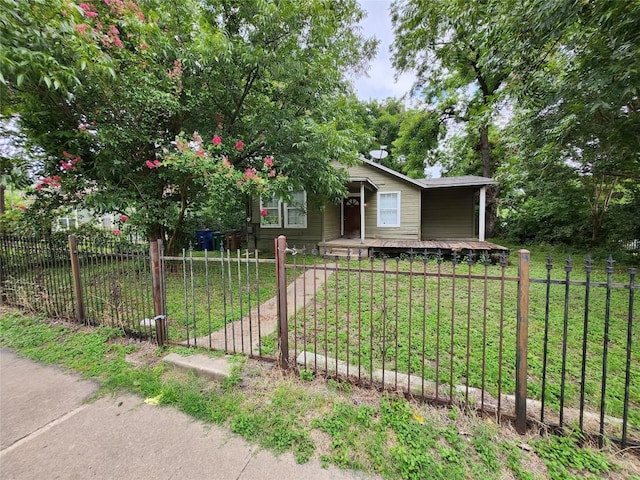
{"x":351,"y":217}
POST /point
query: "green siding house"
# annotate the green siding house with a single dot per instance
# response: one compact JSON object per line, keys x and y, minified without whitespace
{"x":383,"y":208}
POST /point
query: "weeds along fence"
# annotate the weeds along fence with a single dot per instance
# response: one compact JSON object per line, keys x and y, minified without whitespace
{"x":551,"y":344}
{"x":89,"y":280}
{"x":558,"y":351}
{"x":35,"y":275}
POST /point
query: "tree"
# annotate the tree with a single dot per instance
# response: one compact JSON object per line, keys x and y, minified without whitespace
{"x":407,"y":134}
{"x":454,"y":50}
{"x":13,"y":161}
{"x":267,"y":78}
{"x":568,"y":72}
{"x":418,"y":135}
{"x":575,"y":83}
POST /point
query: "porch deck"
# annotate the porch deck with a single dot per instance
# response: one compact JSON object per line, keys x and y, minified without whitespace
{"x":447,"y":246}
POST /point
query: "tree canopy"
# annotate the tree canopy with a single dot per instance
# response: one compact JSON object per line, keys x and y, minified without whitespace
{"x":109,"y":86}
{"x":545,"y":92}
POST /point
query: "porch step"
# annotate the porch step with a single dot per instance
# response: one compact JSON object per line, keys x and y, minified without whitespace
{"x":344,"y":252}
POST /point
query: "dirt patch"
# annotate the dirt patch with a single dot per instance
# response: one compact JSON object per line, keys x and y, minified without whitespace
{"x":145,"y":353}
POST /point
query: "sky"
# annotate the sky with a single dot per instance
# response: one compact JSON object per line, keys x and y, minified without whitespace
{"x":380,"y":82}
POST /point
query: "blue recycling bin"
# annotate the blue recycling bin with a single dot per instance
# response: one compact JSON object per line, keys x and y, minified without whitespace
{"x":205,"y":239}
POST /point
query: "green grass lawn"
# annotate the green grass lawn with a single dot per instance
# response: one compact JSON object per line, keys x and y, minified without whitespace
{"x":428,"y":326}
{"x":330,"y":421}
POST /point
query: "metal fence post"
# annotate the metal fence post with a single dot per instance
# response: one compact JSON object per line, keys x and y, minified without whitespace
{"x":281,"y":286}
{"x":3,"y":295}
{"x":158,"y":299}
{"x":75,"y":276}
{"x":522,"y":334}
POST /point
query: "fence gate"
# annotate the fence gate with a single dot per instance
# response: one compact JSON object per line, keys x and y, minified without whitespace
{"x":220,"y":300}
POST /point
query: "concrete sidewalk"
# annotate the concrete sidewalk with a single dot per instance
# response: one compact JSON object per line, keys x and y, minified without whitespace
{"x":49,"y":430}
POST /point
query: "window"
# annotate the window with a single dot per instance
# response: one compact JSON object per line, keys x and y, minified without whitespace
{"x":388,"y":209}
{"x":63,"y":223}
{"x":295,"y":213}
{"x":107,"y":221}
{"x":270,"y":213}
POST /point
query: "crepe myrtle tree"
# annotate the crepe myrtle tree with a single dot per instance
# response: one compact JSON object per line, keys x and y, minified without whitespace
{"x":117,"y":82}
{"x":171,"y":183}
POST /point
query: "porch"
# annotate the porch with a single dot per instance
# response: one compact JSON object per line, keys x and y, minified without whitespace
{"x":339,"y":246}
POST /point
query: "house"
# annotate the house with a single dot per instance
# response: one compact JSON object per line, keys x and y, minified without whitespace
{"x":384,"y":209}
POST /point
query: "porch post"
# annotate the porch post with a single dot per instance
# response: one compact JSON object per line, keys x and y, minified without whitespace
{"x":342,"y":218}
{"x":361,"y":212}
{"x":481,"y":220}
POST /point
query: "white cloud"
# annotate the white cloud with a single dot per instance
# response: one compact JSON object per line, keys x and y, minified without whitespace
{"x":380,"y":82}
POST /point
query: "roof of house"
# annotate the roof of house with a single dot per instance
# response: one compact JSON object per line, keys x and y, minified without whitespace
{"x":465,"y":181}
{"x":429,"y":183}
{"x":390,"y":171}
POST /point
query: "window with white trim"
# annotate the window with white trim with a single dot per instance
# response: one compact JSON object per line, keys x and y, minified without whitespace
{"x":388,"y":209}
{"x":295,"y":212}
{"x":270,"y":212}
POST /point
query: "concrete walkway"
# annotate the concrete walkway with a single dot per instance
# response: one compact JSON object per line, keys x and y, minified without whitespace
{"x":48,"y":429}
{"x":241,"y":336}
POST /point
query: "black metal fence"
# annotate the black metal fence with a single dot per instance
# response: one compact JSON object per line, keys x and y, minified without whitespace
{"x":221,"y":300}
{"x":558,"y":349}
{"x":35,"y":275}
{"x":114,"y":283}
{"x":91,"y":280}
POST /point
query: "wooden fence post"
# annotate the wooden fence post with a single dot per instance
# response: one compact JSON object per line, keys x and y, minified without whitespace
{"x":522,"y":334}
{"x":281,"y":286}
{"x":75,"y":278}
{"x":158,"y":293}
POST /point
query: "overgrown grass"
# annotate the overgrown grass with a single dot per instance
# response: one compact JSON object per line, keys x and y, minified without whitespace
{"x":334,"y":422}
{"x":387,"y":314}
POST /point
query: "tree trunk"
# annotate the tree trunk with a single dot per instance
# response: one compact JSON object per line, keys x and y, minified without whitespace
{"x":492,"y":191}
{"x":2,"y":205}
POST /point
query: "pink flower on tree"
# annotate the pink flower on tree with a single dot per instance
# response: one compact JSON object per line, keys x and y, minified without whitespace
{"x":268,"y":162}
{"x":264,"y":212}
{"x":200,"y":153}
{"x":272,"y":173}
{"x":250,"y":173}
{"x":123,"y":218}
{"x":151,"y":164}
{"x":39,"y":186}
{"x":115,"y":231}
{"x":216,"y":140}
{"x":89,"y":10}
{"x":240,"y":145}
{"x":226,"y":162}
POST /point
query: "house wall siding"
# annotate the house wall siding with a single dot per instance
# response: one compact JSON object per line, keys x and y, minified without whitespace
{"x":332,"y":221}
{"x":298,"y":237}
{"x":410,"y":198}
{"x":448,"y":213}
